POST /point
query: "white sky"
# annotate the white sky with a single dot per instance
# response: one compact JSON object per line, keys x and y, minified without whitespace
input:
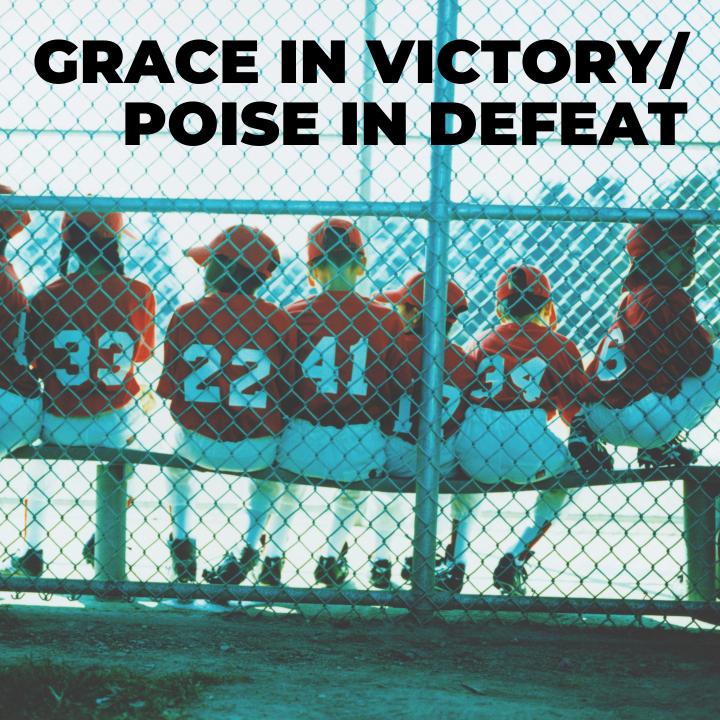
{"x":92,"y":158}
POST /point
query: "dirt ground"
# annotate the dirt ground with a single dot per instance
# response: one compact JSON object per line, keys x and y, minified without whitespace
{"x":256,"y":664}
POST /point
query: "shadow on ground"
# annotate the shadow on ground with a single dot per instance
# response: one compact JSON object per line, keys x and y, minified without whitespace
{"x":127,"y":661}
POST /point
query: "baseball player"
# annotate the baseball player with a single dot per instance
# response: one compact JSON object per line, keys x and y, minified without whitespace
{"x":228,"y":366}
{"x":20,"y":393}
{"x":525,"y":373}
{"x":402,"y":428}
{"x":657,"y":368}
{"x":349,"y":364}
{"x":87,"y":333}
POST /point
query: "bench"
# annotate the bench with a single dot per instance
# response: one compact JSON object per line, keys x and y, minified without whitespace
{"x":701,"y":488}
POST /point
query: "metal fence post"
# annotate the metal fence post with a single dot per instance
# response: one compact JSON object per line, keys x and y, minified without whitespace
{"x":699,"y":534}
{"x":434,"y":313}
{"x":110,"y":522}
{"x":367,"y":93}
{"x":717,"y":545}
{"x":368,"y":224}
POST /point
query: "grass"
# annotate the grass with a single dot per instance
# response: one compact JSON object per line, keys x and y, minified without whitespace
{"x":50,"y":691}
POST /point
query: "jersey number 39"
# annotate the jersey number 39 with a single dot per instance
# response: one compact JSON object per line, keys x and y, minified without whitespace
{"x":526,"y":377}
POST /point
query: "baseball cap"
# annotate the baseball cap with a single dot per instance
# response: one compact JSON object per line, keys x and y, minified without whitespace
{"x":12,"y":221}
{"x":77,"y":227}
{"x":413,"y":293}
{"x":249,"y":246}
{"x":321,"y":243}
{"x":532,"y":281}
{"x":656,"y":235}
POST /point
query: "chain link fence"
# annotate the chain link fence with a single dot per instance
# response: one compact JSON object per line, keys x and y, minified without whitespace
{"x":485,"y":384}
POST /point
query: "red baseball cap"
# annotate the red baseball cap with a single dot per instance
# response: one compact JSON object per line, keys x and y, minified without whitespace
{"x":317,"y":238}
{"x":77,"y":227}
{"x":413,"y":293}
{"x":534,"y":282}
{"x":12,"y":221}
{"x":656,"y":235}
{"x":249,"y":246}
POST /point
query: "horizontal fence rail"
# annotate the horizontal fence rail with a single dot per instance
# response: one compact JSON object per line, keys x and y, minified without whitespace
{"x":709,"y":477}
{"x":412,"y":210}
{"x":403,"y":599}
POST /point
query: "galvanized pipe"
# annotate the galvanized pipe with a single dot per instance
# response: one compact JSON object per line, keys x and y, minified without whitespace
{"x":708,"y":476}
{"x":434,"y":330}
{"x":440,"y":601}
{"x":411,"y":210}
{"x":110,"y":521}
{"x":367,"y":93}
{"x":699,"y":535}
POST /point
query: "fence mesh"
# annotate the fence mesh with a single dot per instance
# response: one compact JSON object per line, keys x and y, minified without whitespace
{"x":216,"y":427}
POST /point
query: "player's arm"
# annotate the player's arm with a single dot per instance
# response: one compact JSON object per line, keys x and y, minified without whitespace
{"x":170,"y":377}
{"x":401,"y":352}
{"x":145,"y":363}
{"x":145,"y":322}
{"x":575,"y":388}
{"x":11,"y":315}
{"x":668,"y":328}
{"x":403,"y":380}
{"x":397,"y":362}
{"x":289,"y":370}
{"x":37,"y":335}
{"x":571,"y":385}
{"x":692,"y":341}
{"x":293,"y":341}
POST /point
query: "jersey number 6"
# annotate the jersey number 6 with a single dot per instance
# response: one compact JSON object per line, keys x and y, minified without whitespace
{"x":610,"y":356}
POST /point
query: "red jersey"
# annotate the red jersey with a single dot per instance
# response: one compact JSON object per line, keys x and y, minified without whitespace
{"x":351,"y":368}
{"x":14,"y":373}
{"x":228,"y":366}
{"x":405,"y":418}
{"x":528,"y":366}
{"x":653,"y":344}
{"x":85,"y":336}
